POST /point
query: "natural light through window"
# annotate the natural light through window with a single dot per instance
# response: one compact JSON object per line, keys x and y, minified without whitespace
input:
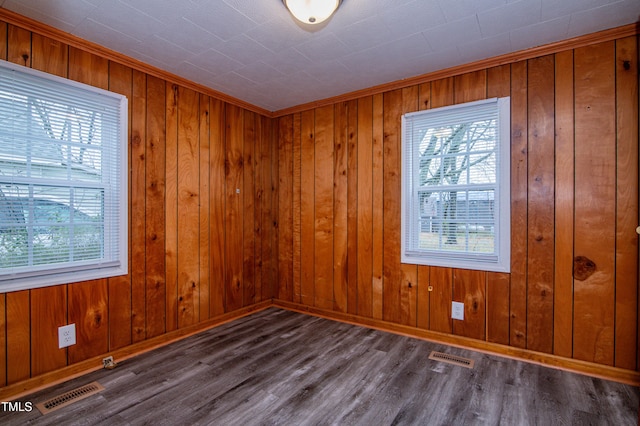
{"x":62,"y":180}
{"x":455,"y":195}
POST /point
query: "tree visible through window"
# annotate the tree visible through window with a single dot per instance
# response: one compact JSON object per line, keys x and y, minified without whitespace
{"x":455,"y":186}
{"x":62,"y":176}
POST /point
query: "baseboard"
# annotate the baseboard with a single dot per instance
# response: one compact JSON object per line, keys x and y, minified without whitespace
{"x":576,"y":366}
{"x":42,"y":381}
{"x":34,"y":384}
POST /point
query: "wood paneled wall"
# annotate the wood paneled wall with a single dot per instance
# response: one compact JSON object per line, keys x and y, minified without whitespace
{"x":202,"y":236}
{"x":574,"y":196}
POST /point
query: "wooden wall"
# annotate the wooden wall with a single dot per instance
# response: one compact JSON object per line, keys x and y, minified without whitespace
{"x":202,"y":236}
{"x":574,"y":177}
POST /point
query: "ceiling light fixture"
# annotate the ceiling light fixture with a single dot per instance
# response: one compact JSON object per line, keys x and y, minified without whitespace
{"x":312,"y":11}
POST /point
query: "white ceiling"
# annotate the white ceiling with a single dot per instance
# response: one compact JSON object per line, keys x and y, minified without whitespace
{"x":254,"y":51}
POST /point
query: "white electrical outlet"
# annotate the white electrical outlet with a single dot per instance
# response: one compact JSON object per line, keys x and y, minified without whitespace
{"x":457,"y":311}
{"x":66,"y":335}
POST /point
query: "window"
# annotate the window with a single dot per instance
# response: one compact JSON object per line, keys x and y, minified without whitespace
{"x":63,"y":200}
{"x":455,"y":186}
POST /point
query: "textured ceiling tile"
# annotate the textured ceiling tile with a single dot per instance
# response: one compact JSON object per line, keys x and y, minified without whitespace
{"x":553,"y":30}
{"x":323,"y":48}
{"x":455,"y":10}
{"x":258,"y":11}
{"x":486,"y":47}
{"x":449,"y":35}
{"x":126,"y":20}
{"x":288,"y":61}
{"x":253,"y":49}
{"x":510,"y":17}
{"x":106,"y":36}
{"x":189,"y":36}
{"x":161,"y":10}
{"x":278,"y":34}
{"x":413,"y":17}
{"x":215,"y":62}
{"x":364,"y":34}
{"x":259,"y":71}
{"x":163,"y":51}
{"x":220,"y":19}
{"x":554,"y":8}
{"x":603,"y":17}
{"x":243,"y":49}
{"x":64,"y":14}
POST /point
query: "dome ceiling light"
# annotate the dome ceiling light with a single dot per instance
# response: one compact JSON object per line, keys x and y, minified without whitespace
{"x":312,"y":11}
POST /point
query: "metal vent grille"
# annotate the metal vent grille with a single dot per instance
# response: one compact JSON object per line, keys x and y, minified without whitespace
{"x":451,"y":359}
{"x":68,"y":398}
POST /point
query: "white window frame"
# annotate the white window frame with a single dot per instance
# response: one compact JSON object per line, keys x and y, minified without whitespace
{"x":113,"y":258}
{"x":411,"y":252}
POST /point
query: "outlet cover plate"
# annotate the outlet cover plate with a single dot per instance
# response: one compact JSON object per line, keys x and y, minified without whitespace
{"x":457,"y":311}
{"x":66,"y":335}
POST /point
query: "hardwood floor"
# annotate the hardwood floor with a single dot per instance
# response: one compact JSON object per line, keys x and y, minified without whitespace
{"x":277,"y":367}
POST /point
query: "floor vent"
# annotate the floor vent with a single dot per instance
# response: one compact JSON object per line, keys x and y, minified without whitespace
{"x":451,"y":359}
{"x":68,"y":398}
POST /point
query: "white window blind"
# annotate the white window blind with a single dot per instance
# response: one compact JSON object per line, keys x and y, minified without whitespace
{"x":63,"y":197}
{"x":455,"y":186}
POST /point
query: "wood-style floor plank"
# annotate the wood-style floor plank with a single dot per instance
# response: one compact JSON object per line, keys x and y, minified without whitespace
{"x":286,"y":368}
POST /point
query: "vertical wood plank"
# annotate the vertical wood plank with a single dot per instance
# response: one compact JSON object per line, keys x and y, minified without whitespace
{"x":378,"y":207}
{"x":155,"y":181}
{"x":626,"y":260}
{"x":442,"y":92}
{"x":137,"y":190}
{"x":88,"y":68}
{"x":518,"y":300}
{"x":469,"y":288}
{"x":392,"y":272}
{"x":271,"y":253}
{"x":423,"y":296}
{"x":499,"y":81}
{"x":3,"y":40}
{"x":340,"y":207}
{"x":297,"y":208}
{"x":50,"y":56}
{"x":409,"y":288}
{"x":595,"y":157}
{"x":540,"y":203}
{"x":49,"y":304}
{"x":364,"y":283}
{"x":171,"y":206}
{"x":48,"y":312}
{"x":217,"y":198}
{"x":563,"y":291}
{"x":441,"y":279}
{"x":470,"y":87}
{"x":204,"y":166}
{"x":88,"y":301}
{"x":3,"y":311}
{"x":260,"y":233}
{"x":324,"y":211}
{"x":188,"y":211}
{"x":119,"y":288}
{"x":498,"y":284}
{"x":18,"y":336}
{"x":19,"y":46}
{"x":248,"y":210}
{"x":423,"y":291}
{"x":285,"y":214}
{"x":234,"y":207}
{"x":352,"y":206}
{"x":497,"y":301}
{"x":88,"y":311}
{"x":307,"y":207}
